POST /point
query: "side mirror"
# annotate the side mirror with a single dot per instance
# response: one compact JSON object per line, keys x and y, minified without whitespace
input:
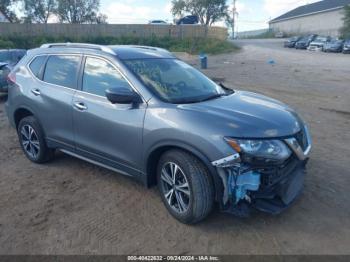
{"x":122,"y":95}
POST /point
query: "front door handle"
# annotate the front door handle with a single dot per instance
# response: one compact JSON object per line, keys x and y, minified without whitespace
{"x":80,"y":106}
{"x":36,"y":92}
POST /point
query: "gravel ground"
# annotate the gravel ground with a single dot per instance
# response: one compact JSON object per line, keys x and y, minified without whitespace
{"x":72,"y":207}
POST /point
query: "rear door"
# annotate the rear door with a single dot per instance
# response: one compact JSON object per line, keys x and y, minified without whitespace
{"x":109,"y":133}
{"x":53,"y":91}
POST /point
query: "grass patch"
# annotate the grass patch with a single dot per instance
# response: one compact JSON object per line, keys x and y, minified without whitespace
{"x":191,"y":46}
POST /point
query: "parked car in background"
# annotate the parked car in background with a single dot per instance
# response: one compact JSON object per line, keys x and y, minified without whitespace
{"x":11,"y":56}
{"x":4,"y":71}
{"x":158,"y":22}
{"x":290,"y":43}
{"x":143,"y":113}
{"x":335,"y":45}
{"x":8,"y":59}
{"x":305,"y":41}
{"x":346,"y":47}
{"x":318,"y":43}
{"x":188,"y":20}
{"x":279,"y":35}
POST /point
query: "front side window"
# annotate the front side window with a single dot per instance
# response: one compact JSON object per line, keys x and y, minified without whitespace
{"x":174,"y":81}
{"x":100,"y":75}
{"x":62,"y":70}
{"x":37,"y":65}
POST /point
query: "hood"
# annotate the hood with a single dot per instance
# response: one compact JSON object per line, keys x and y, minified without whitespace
{"x":334,"y":44}
{"x":302,"y":43}
{"x":249,"y":115}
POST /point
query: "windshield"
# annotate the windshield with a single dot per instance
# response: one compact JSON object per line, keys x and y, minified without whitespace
{"x":336,"y":42}
{"x":321,"y":39}
{"x":174,"y":81}
{"x":5,"y":56}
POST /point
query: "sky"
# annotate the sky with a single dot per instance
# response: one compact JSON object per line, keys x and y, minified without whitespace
{"x":252,"y":14}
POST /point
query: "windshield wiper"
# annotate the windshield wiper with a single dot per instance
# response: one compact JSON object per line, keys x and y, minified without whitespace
{"x":211,"y":97}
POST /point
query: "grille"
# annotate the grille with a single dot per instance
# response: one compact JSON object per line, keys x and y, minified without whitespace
{"x":274,"y":174}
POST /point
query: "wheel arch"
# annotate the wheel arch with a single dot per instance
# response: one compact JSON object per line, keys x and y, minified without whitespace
{"x":21,"y":113}
{"x":155,"y":153}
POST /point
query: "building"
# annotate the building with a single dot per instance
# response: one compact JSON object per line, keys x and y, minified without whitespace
{"x":4,"y":18}
{"x":324,"y":18}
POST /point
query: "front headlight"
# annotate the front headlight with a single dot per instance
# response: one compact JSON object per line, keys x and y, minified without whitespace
{"x":268,"y":149}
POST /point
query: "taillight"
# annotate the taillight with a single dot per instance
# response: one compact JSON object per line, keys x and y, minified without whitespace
{"x":11,"y":78}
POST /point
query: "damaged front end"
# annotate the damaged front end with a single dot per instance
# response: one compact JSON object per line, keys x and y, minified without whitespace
{"x":256,"y":182}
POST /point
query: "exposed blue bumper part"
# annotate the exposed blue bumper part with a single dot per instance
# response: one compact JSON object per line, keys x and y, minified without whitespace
{"x":269,"y":189}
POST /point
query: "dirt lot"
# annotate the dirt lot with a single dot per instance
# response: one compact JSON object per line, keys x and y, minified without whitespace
{"x":72,"y":207}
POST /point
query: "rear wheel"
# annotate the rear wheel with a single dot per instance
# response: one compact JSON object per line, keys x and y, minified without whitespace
{"x":185,"y":185}
{"x":32,"y":140}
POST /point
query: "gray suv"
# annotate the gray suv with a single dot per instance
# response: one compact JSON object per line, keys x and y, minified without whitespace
{"x":145,"y":114}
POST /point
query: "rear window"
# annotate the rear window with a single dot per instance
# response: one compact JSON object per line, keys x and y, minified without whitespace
{"x":62,"y":70}
{"x":36,"y":66}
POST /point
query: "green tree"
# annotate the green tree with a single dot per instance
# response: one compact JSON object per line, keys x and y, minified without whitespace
{"x":80,"y":11}
{"x":345,"y":30}
{"x":208,"y":11}
{"x":5,"y":8}
{"x":39,"y":11}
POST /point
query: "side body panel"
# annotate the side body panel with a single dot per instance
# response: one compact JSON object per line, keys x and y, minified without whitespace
{"x":110,"y":133}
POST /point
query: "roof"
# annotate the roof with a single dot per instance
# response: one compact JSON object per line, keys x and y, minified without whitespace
{"x":318,"y":7}
{"x":140,"y":52}
{"x":121,"y":51}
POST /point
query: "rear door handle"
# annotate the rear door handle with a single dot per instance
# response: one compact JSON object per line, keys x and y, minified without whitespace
{"x":80,"y":106}
{"x":36,"y":92}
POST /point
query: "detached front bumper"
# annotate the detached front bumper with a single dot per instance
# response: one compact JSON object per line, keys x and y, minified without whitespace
{"x":265,"y":186}
{"x":280,"y":187}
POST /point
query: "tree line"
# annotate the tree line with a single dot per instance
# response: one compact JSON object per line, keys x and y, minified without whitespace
{"x":64,"y":11}
{"x":345,"y":31}
{"x":88,"y":11}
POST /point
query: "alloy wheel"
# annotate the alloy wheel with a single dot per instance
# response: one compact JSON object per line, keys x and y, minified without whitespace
{"x":30,"y":141}
{"x":175,"y":186}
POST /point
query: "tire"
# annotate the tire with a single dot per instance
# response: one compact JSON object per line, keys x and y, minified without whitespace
{"x":36,"y":150}
{"x":196,"y":205}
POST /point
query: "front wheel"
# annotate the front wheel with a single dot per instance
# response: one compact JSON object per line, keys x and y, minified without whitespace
{"x":186,"y":186}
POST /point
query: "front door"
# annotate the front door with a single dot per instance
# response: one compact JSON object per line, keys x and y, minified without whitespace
{"x":105,"y":132}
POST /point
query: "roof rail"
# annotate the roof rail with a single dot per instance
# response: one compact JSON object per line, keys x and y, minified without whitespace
{"x":80,"y":45}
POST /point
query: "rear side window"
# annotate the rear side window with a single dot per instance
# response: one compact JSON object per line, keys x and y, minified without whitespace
{"x":62,"y":70}
{"x":100,"y":75}
{"x":37,"y":65}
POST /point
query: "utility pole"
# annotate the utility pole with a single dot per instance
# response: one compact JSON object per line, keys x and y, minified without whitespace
{"x":234,"y":12}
